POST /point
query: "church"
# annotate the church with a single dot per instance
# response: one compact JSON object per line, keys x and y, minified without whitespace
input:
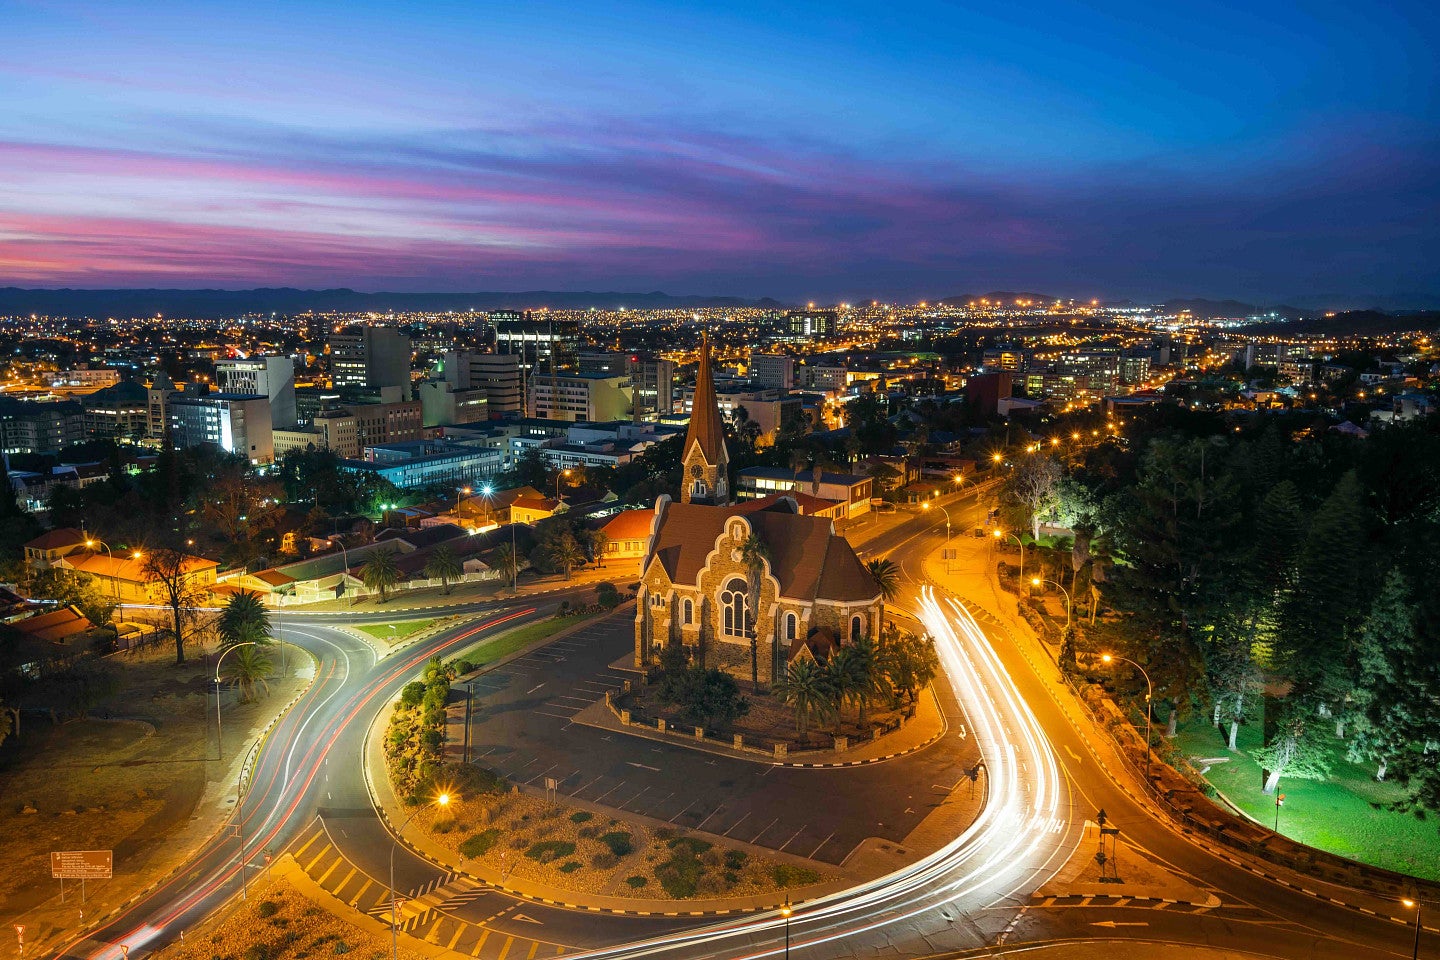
{"x":815,"y":593}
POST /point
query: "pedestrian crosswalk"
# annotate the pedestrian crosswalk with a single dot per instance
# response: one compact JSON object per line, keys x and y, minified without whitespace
{"x":450,"y":910}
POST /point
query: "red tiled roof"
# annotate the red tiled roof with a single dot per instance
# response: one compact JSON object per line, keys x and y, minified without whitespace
{"x":629,"y":525}
{"x":126,"y":567}
{"x":58,"y":539}
{"x":806,"y":557}
{"x":273,"y":577}
{"x":54,"y":626}
{"x":535,"y":503}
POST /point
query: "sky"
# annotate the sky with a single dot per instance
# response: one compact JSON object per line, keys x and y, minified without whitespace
{"x":822,"y":151}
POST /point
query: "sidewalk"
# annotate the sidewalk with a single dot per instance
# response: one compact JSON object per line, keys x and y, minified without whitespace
{"x":461,"y":594}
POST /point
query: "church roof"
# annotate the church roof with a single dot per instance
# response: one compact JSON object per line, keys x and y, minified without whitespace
{"x":808,"y":559}
{"x":705,"y":426}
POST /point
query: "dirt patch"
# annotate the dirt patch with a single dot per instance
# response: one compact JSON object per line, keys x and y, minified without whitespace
{"x":278,"y":922}
{"x":132,"y":778}
{"x":528,"y":838}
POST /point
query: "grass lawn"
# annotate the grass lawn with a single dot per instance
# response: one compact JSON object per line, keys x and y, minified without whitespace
{"x":493,"y":648}
{"x":1343,"y":815}
{"x":403,"y":628}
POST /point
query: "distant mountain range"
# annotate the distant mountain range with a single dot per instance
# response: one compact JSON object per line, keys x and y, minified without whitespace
{"x":1354,"y":323}
{"x":287,"y":300}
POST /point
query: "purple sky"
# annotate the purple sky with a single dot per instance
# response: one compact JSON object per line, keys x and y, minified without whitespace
{"x":813,"y":152}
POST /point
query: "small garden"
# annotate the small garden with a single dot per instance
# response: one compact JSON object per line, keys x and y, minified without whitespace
{"x":859,"y":688}
{"x":523,"y":837}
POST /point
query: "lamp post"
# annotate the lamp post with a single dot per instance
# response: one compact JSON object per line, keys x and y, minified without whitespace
{"x":1415,"y":905}
{"x":1149,"y":696}
{"x":219,"y":740}
{"x":441,"y":801}
{"x":1036,"y":581}
{"x":562,"y":473}
{"x":926,"y":506}
{"x":91,"y":544}
{"x":785,"y":912}
{"x":1001,"y":535}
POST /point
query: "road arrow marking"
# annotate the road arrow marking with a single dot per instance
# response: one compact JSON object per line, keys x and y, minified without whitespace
{"x":962,"y":731}
{"x":642,"y":766}
{"x":524,"y":919}
{"x":1112,"y":924}
{"x":1073,"y":755}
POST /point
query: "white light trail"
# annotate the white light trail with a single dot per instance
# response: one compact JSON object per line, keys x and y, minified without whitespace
{"x":1014,"y":837}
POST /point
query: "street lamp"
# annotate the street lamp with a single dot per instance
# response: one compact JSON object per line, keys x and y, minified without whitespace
{"x":90,"y":545}
{"x":1036,"y":581}
{"x":1001,"y":535}
{"x":219,"y":740}
{"x":785,"y":912}
{"x":926,"y":506}
{"x":1149,"y":696}
{"x":441,"y":801}
{"x":1414,"y":905}
{"x":562,"y":473}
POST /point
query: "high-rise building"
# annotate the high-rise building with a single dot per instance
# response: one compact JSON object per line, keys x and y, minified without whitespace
{"x":444,"y":404}
{"x":772,"y":370}
{"x":269,"y":377}
{"x":812,"y":324}
{"x":544,"y":346}
{"x":984,"y":391}
{"x":497,"y":374}
{"x":653,"y":380}
{"x":235,"y":422}
{"x":157,"y":395}
{"x":374,"y":357}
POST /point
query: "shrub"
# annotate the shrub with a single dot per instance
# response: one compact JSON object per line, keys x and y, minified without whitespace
{"x":606,"y":595}
{"x":786,"y":875}
{"x":481,"y":843}
{"x":580,"y":816}
{"x":548,"y":850}
{"x":732,"y":878}
{"x":680,"y":875}
{"x":258,"y":951}
{"x":588,"y":833}
{"x":735,"y":859}
{"x":412,"y":694}
{"x":620,"y":843}
{"x":570,"y":867}
{"x":604,"y":860}
{"x":636,"y":882}
{"x":694,"y":845}
{"x":341,"y":946}
{"x":443,"y":826}
{"x":268,"y":908}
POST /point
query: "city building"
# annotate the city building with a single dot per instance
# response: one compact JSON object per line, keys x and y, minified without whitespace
{"x":127,"y":578}
{"x":582,"y":396}
{"x":853,"y":490}
{"x":983,"y":391}
{"x":500,"y":376}
{"x":652,"y":380}
{"x":118,"y":412}
{"x":772,"y":370}
{"x":157,"y":395}
{"x":543,"y":347}
{"x":423,"y":463}
{"x":444,"y":404}
{"x":37,"y":426}
{"x":373,"y":357}
{"x":812,"y":324}
{"x":269,"y":377}
{"x":235,"y":422}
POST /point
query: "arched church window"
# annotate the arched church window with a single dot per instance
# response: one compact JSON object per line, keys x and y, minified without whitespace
{"x":734,"y":604}
{"x":855,"y":623}
{"x":689,"y":608}
{"x":791,"y":626}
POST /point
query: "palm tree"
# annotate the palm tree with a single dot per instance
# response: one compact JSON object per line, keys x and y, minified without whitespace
{"x":567,"y":553}
{"x":871,"y":683}
{"x":247,"y":667}
{"x":754,"y":553}
{"x":380,"y":571}
{"x":887,"y":577}
{"x":805,"y":688}
{"x":504,"y":559}
{"x":244,"y":620}
{"x":443,"y":566}
{"x":845,"y":673}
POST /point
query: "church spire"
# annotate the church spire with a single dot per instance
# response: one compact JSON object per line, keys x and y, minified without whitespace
{"x":705,"y":458}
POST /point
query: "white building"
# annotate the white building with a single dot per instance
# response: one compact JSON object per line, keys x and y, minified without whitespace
{"x":269,"y":377}
{"x":235,"y":422}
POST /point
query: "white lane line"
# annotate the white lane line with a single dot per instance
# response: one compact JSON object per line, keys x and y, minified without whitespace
{"x":762,"y":832}
{"x":822,"y":843}
{"x":608,"y":792}
{"x":737,"y":823}
{"x":683,"y":812}
{"x":792,"y":837}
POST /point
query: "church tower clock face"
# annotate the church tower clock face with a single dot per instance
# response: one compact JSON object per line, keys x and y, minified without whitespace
{"x":697,"y":471}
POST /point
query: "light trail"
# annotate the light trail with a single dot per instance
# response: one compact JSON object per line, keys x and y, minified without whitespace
{"x":1020,"y":830}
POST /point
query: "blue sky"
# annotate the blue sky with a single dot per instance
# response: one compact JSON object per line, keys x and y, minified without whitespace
{"x":815,"y":151}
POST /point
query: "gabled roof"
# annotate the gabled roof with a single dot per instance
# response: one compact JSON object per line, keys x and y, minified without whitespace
{"x":629,"y":525}
{"x":807,"y":558}
{"x":705,"y":426}
{"x":54,"y":625}
{"x":425,"y":536}
{"x":58,"y":539}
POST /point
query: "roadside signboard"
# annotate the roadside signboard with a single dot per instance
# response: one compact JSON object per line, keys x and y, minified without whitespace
{"x":82,"y":864}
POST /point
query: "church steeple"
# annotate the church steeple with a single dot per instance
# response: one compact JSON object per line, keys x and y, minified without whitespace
{"x":706,"y":460}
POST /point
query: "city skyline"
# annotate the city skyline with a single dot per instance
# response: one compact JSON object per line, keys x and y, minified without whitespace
{"x":796,"y":154}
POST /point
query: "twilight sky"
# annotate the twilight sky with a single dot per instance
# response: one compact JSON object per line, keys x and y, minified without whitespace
{"x":812,"y":151}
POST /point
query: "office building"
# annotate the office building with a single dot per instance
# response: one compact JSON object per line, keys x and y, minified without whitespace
{"x":373,"y":357}
{"x":812,"y":324}
{"x":235,"y":422}
{"x":772,"y":370}
{"x":30,"y":426}
{"x":984,"y":391}
{"x":120,"y":412}
{"x":157,"y":395}
{"x":269,"y":377}
{"x":653,"y":380}
{"x":582,"y":396}
{"x":543,"y":347}
{"x":444,"y":404}
{"x":425,"y":463}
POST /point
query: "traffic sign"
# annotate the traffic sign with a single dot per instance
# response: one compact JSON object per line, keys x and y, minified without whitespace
{"x":82,"y":864}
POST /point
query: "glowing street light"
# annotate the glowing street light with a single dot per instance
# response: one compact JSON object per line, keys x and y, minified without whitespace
{"x":1414,"y":905}
{"x":442,"y":801}
{"x":1149,"y":696}
{"x":1036,"y":581}
{"x":1001,"y":535}
{"x":926,"y":506}
{"x":785,"y":912}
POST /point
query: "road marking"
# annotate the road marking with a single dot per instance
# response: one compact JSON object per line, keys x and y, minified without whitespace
{"x":459,"y":929}
{"x":822,"y":843}
{"x":632,"y":763}
{"x":962,"y":731}
{"x":311,"y":865}
{"x":701,"y":824}
{"x":524,"y":919}
{"x":484,"y":935}
{"x":588,"y":785}
{"x":301,"y":852}
{"x":505,"y":950}
{"x":608,"y":792}
{"x":737,"y":823}
{"x":341,"y":885}
{"x":333,"y":867}
{"x":557,"y":716}
{"x":683,"y":812}
{"x":534,"y":688}
{"x":767,"y":827}
{"x":1073,"y":755}
{"x":1112,"y":924}
{"x":792,"y":838}
{"x":361,"y":892}
{"x":534,"y":945}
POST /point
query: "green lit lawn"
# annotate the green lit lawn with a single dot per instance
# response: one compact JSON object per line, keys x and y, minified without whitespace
{"x":1335,"y":815}
{"x":493,"y":648}
{"x":403,"y":628}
